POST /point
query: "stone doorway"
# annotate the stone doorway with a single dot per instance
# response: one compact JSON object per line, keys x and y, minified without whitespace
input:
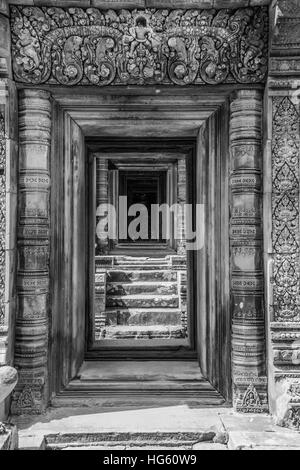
{"x":200,"y":123}
{"x":140,"y":259}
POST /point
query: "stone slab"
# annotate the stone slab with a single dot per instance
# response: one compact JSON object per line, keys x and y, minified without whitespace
{"x":243,"y":432}
{"x":169,"y":419}
{"x":209,"y":446}
{"x":140,"y":370}
{"x":257,"y":432}
{"x":9,"y":440}
{"x":247,"y":423}
{"x":242,"y":440}
{"x":117,"y":4}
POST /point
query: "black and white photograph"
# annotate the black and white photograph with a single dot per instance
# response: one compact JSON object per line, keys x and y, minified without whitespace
{"x":149,"y":228}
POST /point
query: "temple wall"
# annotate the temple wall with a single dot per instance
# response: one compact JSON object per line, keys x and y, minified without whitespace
{"x":277,"y":305}
{"x":281,"y":212}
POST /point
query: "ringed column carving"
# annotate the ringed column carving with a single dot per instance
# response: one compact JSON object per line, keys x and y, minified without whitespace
{"x":246,"y":245}
{"x":31,"y":344}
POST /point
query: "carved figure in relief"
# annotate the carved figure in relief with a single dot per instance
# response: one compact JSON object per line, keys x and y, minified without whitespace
{"x":140,"y":34}
{"x":29,"y":51}
{"x":68,"y":68}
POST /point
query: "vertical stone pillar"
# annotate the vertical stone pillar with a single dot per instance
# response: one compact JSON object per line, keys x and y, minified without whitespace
{"x":181,"y":200}
{"x":31,"y":343}
{"x":102,"y":199}
{"x":248,"y":326}
{"x":8,"y":205}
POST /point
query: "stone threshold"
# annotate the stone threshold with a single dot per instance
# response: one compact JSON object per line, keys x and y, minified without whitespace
{"x":169,"y":427}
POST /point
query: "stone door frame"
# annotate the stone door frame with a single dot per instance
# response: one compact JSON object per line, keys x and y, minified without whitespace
{"x":49,"y":350}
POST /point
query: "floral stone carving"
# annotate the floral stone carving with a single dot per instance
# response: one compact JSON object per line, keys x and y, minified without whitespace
{"x":153,"y":46}
{"x":285,"y":210}
{"x":2,"y":213}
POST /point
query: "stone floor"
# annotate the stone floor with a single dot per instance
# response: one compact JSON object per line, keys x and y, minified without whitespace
{"x":163,"y":427}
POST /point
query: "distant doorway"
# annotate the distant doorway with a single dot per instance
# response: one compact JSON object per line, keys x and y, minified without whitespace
{"x":144,"y":190}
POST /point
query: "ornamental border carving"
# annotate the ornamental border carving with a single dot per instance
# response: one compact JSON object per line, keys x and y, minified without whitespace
{"x":285,"y":210}
{"x":75,"y":46}
{"x":2,"y":214}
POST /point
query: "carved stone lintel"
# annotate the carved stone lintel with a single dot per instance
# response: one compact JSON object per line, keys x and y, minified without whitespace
{"x":123,"y":47}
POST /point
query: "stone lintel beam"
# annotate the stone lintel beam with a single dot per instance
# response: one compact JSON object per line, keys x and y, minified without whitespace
{"x":116,"y":4}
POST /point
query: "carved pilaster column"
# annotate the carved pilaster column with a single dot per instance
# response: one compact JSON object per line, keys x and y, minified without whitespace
{"x":181,"y":200}
{"x":102,"y":200}
{"x":248,"y":328}
{"x":8,"y":203}
{"x":282,"y":189}
{"x":31,"y":345}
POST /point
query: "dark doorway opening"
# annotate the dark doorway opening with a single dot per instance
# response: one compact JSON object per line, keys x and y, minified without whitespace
{"x":144,"y":190}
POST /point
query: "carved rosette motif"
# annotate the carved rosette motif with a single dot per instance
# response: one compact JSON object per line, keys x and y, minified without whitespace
{"x":152,"y":46}
{"x":248,"y":330}
{"x":2,"y":213}
{"x":31,"y":344}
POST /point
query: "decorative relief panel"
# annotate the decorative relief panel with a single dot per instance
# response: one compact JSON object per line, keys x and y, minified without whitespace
{"x":152,"y":46}
{"x":285,"y":329}
{"x":285,"y":210}
{"x":2,"y":214}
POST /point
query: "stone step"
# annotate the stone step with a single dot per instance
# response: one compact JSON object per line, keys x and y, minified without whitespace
{"x":140,"y":385}
{"x":135,"y":441}
{"x":137,"y":288}
{"x":144,"y":332}
{"x":161,"y":275}
{"x":121,"y":260}
{"x":145,"y":370}
{"x":143,"y":301}
{"x":143,"y":317}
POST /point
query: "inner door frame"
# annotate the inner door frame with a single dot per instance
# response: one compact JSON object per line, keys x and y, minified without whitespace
{"x":79,"y":114}
{"x":174,"y":149}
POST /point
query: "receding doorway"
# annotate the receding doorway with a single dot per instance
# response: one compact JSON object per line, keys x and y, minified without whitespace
{"x":139,"y":267}
{"x":91,"y":363}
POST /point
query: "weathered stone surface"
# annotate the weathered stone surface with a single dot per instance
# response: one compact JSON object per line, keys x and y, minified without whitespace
{"x":31,"y":346}
{"x":9,"y":439}
{"x":144,"y":317}
{"x":169,"y":427}
{"x":139,"y":276}
{"x":8,"y":381}
{"x":164,"y":425}
{"x":181,"y":47}
{"x":209,"y":446}
{"x":141,"y":289}
{"x":144,"y":332}
{"x":248,"y":330}
{"x":5,"y":46}
{"x":118,"y":4}
{"x":136,"y":370}
{"x":143,"y":301}
{"x":239,"y":440}
{"x":4,"y":8}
